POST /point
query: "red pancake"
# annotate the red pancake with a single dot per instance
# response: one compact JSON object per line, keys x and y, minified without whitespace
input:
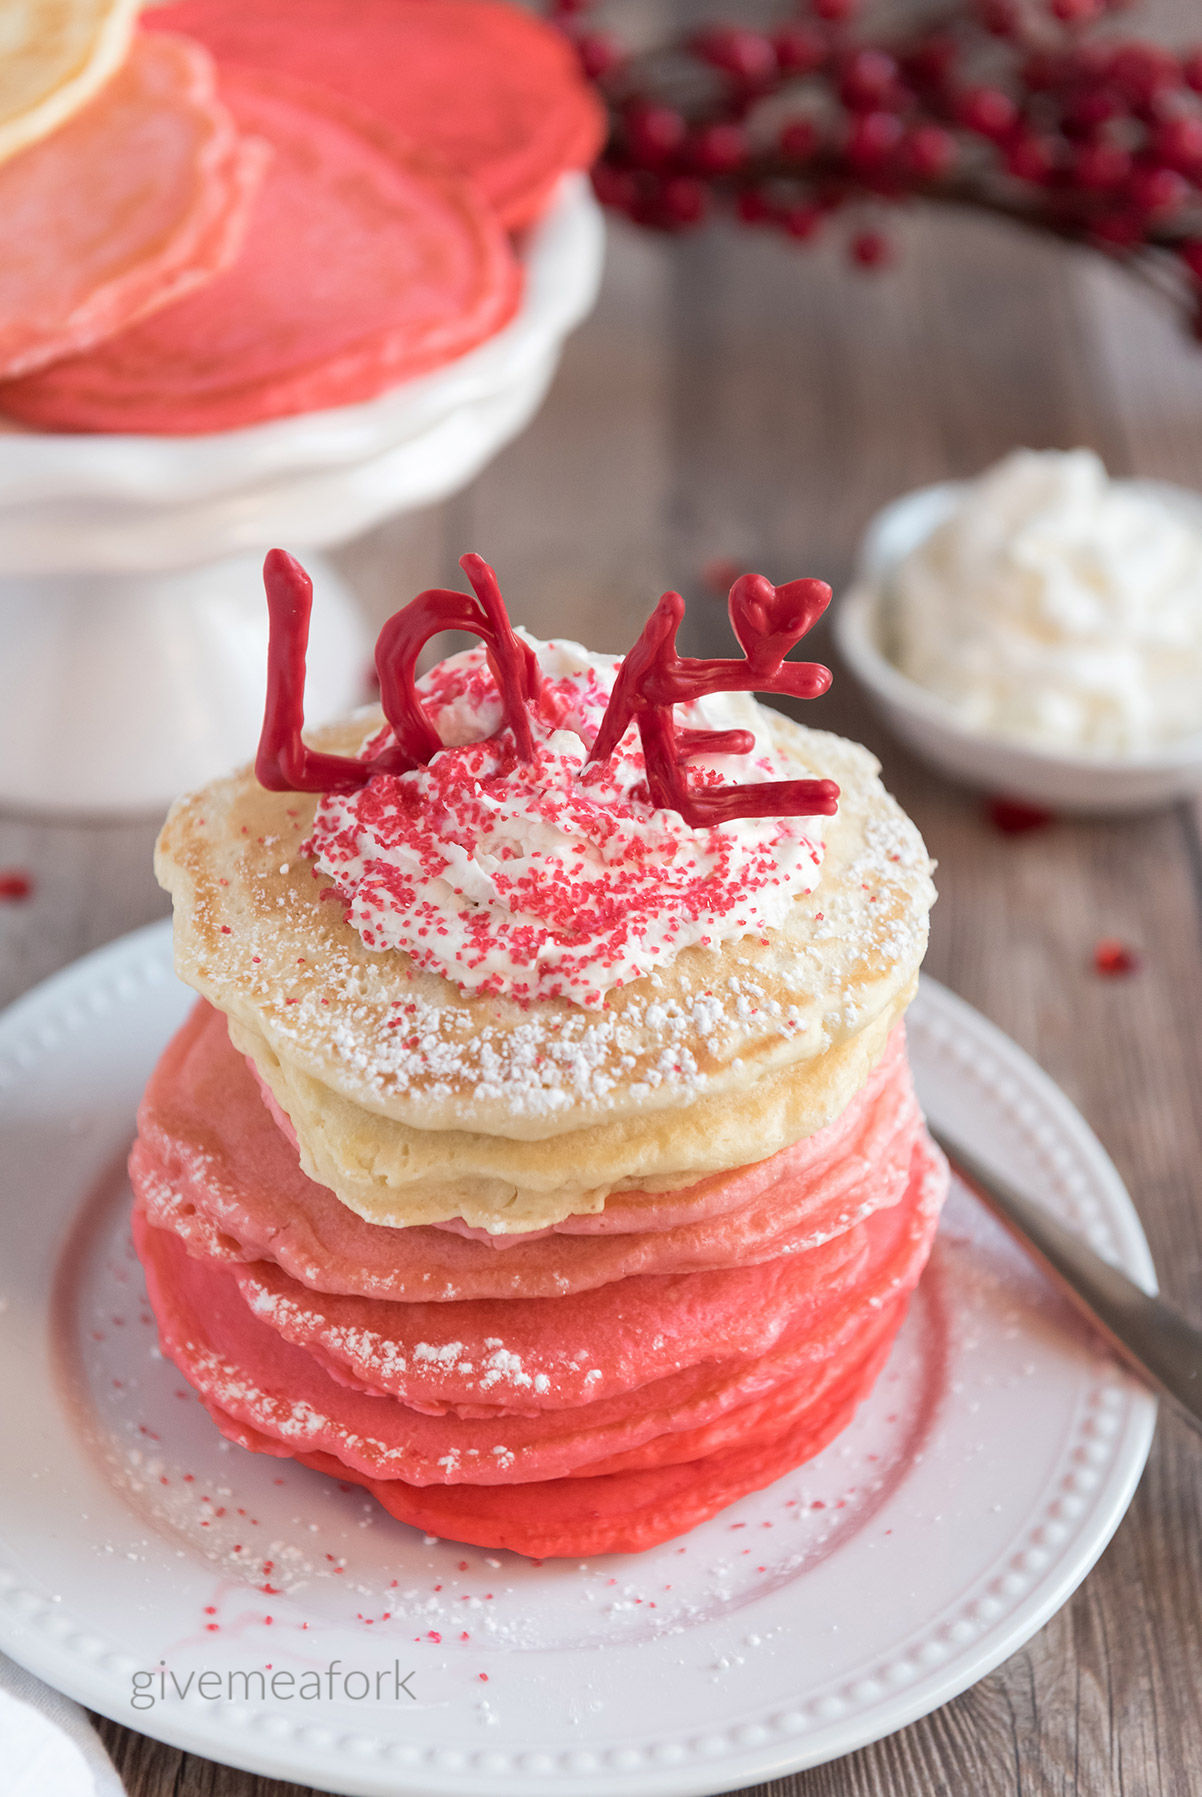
{"x":364,"y":264}
{"x":210,"y":1164}
{"x":608,"y":1514}
{"x":136,"y":200}
{"x":496,"y":92}
{"x":254,"y":1375}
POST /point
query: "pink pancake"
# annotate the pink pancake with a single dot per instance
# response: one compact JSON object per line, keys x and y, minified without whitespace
{"x":254,"y":1375}
{"x":496,"y":92}
{"x":523,"y":1355}
{"x":364,"y":264}
{"x":137,"y":199}
{"x":210,"y":1164}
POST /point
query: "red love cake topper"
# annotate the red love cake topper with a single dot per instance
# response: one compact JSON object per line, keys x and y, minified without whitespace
{"x":652,"y":680}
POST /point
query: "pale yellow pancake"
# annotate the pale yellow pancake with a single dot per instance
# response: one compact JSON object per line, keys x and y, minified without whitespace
{"x":54,"y":55}
{"x":391,"y":1173}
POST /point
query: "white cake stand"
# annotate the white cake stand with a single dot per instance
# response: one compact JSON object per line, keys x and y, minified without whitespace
{"x":132,"y":619}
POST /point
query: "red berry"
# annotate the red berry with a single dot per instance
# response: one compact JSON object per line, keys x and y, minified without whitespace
{"x":867,"y":78}
{"x":600,"y":54}
{"x":835,"y":12}
{"x":870,"y":249}
{"x":15,"y":884}
{"x":1177,"y":142}
{"x":799,"y":50}
{"x":1191,"y":68}
{"x":747,"y":55}
{"x":1088,"y":61}
{"x":933,"y":61}
{"x":801,"y":222}
{"x":719,"y":149}
{"x":562,"y":9}
{"x":654,"y":132}
{"x":1014,"y":817}
{"x":930,"y":151}
{"x":1076,"y":12}
{"x":684,"y":200}
{"x":1111,"y":957}
{"x":1118,"y":231}
{"x":1190,"y":253}
{"x":752,"y":206}
{"x":1084,"y":113}
{"x":1157,"y":192}
{"x":987,"y":111}
{"x":1040,"y":72}
{"x":799,"y":140}
{"x":1031,"y":158}
{"x":1143,"y":71}
{"x":1099,"y":166}
{"x":616,"y":187}
{"x":873,"y":138}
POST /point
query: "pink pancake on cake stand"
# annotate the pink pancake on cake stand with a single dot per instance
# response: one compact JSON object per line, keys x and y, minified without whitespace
{"x":129,"y":590}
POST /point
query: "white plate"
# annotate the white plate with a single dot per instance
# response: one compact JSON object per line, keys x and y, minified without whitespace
{"x":973,"y":1491}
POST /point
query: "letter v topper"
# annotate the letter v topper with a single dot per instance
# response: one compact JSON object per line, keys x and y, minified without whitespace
{"x":653,"y":679}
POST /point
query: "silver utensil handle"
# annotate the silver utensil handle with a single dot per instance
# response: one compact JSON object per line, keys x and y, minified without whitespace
{"x":1154,"y":1339}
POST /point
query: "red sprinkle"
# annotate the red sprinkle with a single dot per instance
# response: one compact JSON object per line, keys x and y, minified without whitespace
{"x":15,"y":884}
{"x":1112,"y":957}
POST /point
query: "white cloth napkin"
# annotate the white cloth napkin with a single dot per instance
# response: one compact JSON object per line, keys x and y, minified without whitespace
{"x":48,"y":1748}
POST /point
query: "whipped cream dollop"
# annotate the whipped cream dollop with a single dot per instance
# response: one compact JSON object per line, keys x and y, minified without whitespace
{"x":550,"y":879}
{"x":1058,"y":606}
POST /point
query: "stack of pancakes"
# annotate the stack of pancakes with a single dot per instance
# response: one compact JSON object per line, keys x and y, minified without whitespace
{"x":542,"y":1277}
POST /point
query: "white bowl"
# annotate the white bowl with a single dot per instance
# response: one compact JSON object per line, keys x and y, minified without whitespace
{"x":1057,"y":779}
{"x":132,"y":622}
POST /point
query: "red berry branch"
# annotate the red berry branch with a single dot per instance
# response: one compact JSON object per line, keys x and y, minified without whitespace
{"x":651,"y":681}
{"x":1038,"y":111}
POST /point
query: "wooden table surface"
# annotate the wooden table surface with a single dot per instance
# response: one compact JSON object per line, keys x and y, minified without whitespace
{"x":737,"y":399}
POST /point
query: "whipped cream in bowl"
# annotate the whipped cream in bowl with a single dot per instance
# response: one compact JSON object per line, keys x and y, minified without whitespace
{"x":1038,"y":631}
